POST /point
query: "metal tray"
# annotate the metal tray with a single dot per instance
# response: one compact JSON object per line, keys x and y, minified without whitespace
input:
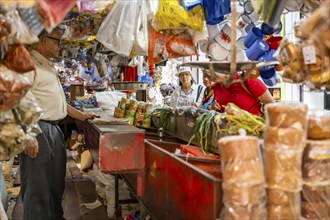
{"x":126,"y":86}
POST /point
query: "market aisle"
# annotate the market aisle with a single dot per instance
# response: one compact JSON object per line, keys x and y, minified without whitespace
{"x":78,"y":189}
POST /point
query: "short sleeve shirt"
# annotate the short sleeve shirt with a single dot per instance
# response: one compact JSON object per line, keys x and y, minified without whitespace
{"x":236,"y":94}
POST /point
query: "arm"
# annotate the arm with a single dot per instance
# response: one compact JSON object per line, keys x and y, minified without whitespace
{"x":266,"y":97}
{"x":76,"y":114}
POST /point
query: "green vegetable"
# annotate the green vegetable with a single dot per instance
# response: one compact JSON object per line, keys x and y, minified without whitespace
{"x":202,"y":129}
{"x":253,"y":124}
{"x":163,"y":114}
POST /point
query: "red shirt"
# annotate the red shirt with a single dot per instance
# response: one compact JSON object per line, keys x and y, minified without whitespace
{"x":236,"y":94}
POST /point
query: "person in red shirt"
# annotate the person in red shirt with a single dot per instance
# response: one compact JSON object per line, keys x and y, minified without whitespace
{"x":249,"y":98}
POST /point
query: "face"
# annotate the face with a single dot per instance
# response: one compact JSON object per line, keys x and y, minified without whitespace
{"x":185,"y":77}
{"x":206,"y":79}
{"x":52,"y":44}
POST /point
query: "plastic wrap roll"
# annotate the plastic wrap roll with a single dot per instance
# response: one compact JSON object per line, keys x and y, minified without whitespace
{"x":278,"y":197}
{"x":284,"y":137}
{"x":316,"y":193}
{"x":318,"y":125}
{"x":244,"y":212}
{"x":239,"y":148}
{"x":244,"y":171}
{"x":319,"y":210}
{"x":283,"y":168}
{"x":283,"y":212}
{"x":287,"y":115}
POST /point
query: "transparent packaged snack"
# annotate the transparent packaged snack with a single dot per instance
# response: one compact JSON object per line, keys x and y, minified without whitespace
{"x":291,"y":57}
{"x":234,"y":148}
{"x":316,"y":171}
{"x":243,"y":194}
{"x":315,"y":210}
{"x":318,"y":124}
{"x":286,"y":115}
{"x":243,"y":171}
{"x":317,"y":151}
{"x":19,"y":59}
{"x":244,"y":212}
{"x":316,"y":193}
{"x":284,"y":138}
{"x":13,"y":88}
{"x":283,"y":212}
{"x":279,"y":197}
{"x":283,"y":168}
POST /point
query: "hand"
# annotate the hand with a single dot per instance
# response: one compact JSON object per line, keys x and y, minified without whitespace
{"x":32,"y":148}
{"x":89,"y":115}
{"x":215,"y":106}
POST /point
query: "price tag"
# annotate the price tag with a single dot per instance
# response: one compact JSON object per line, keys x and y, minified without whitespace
{"x":309,"y":55}
{"x":319,"y":153}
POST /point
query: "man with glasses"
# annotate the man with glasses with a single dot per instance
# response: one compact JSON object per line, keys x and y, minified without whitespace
{"x":43,"y":164}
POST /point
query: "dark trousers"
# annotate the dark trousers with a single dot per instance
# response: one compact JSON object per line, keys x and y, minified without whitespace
{"x":42,"y":178}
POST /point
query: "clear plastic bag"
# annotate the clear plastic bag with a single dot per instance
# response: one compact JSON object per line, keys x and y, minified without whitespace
{"x":119,"y":26}
{"x":318,"y":124}
{"x":283,"y":212}
{"x":284,"y":138}
{"x":19,"y":59}
{"x":18,"y":127}
{"x":244,"y":194}
{"x":141,"y":33}
{"x":244,"y":212}
{"x":283,"y":168}
{"x":13,"y":88}
{"x":20,"y":32}
{"x":287,"y":115}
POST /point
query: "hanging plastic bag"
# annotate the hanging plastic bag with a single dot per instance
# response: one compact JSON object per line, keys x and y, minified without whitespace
{"x":165,"y":44}
{"x":19,"y":59}
{"x":171,"y":15}
{"x":20,"y":32}
{"x":53,"y":11}
{"x":189,"y":4}
{"x":19,"y":126}
{"x":13,"y":88}
{"x":141,"y":34}
{"x":5,"y":28}
{"x":119,"y":26}
{"x":215,"y":10}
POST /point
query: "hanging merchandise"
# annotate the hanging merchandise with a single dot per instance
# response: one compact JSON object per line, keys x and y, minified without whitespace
{"x":189,"y":4}
{"x":270,"y":10}
{"x":119,"y":26}
{"x":18,"y":127}
{"x":31,"y":18}
{"x":13,"y":88}
{"x":19,"y":59}
{"x":20,"y":32}
{"x":215,"y":10}
{"x":141,"y":35}
{"x":5,"y":28}
{"x":53,"y":11}
{"x":101,"y":65}
{"x":169,"y":44}
{"x":171,"y":15}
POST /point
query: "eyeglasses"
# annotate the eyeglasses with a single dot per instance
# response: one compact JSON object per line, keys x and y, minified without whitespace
{"x":54,"y":38}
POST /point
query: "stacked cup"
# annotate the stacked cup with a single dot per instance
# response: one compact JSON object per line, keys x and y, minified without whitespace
{"x":244,"y":194}
{"x":316,"y":167}
{"x":284,"y":142}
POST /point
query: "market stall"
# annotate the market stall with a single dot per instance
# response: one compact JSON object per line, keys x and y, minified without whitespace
{"x":182,"y":162}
